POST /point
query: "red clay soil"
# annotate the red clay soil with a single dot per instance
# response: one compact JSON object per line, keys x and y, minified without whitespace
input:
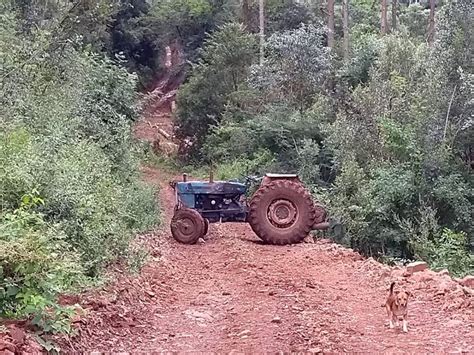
{"x":234,"y":294}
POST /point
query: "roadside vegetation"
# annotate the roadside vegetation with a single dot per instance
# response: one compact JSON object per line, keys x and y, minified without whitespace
{"x":70,"y":195}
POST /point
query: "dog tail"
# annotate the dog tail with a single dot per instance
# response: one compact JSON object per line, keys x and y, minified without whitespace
{"x":391,"y":288}
{"x":392,"y":285}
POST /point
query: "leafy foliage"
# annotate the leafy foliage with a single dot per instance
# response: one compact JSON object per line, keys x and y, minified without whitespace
{"x":296,"y":67}
{"x":402,"y":119}
{"x":70,"y":197}
{"x":384,"y":137}
{"x":449,"y":251}
{"x":224,"y":62}
{"x":36,"y":264}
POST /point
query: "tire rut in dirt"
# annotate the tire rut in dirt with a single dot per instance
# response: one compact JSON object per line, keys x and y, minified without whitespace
{"x":187,"y":226}
{"x":288,"y":194}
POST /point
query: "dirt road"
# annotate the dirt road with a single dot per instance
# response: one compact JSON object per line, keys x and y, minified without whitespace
{"x":233,"y":293}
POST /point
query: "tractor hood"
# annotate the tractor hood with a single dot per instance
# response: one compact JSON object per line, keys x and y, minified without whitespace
{"x":205,"y":187}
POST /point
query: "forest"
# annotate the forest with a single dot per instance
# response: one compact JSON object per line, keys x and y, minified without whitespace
{"x":371,"y":102}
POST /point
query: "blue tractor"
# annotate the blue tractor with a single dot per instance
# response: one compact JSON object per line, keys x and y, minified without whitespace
{"x":280,"y":212}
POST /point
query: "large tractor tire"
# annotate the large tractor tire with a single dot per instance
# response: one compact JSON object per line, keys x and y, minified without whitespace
{"x":187,"y":226}
{"x":281,"y":212}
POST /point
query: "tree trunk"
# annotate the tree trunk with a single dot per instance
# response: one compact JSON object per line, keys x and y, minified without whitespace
{"x":394,"y":14}
{"x":431,"y":22}
{"x":246,"y":14}
{"x":262,"y":30}
{"x":383,"y":20}
{"x":345,"y":26}
{"x":331,"y":23}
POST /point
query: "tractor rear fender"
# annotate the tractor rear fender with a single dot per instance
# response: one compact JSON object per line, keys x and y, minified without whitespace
{"x":268,"y":178}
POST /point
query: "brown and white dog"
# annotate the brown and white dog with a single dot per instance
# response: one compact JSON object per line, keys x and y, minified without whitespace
{"x":397,"y":307}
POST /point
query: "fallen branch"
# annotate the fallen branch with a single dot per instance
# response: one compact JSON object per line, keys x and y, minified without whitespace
{"x":164,"y":133}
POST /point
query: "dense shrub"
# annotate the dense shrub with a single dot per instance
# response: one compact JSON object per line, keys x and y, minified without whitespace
{"x":224,"y":63}
{"x":36,"y":264}
{"x":70,"y":196}
{"x":401,"y":188}
{"x":384,"y":138}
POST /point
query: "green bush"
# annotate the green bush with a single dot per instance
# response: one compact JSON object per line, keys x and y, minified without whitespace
{"x":450,"y":251}
{"x":225,"y":60}
{"x":71,"y":199}
{"x":36,"y":264}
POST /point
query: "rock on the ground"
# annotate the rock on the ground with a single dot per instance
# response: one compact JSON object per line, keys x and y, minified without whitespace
{"x":416,"y":266}
{"x":444,"y":286}
{"x":468,"y":291}
{"x":309,"y":239}
{"x":467,"y":281}
{"x":443,"y":272}
{"x":424,"y":276}
{"x":396,"y":273}
{"x":6,"y":346}
{"x":17,"y":334}
{"x":32,"y":347}
{"x":199,"y":316}
{"x":243,"y":333}
{"x":454,"y":323}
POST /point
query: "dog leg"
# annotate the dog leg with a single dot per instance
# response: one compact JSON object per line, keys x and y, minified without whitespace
{"x":405,"y":324}
{"x":389,"y":315}
{"x":392,"y":323}
{"x":395,"y":320}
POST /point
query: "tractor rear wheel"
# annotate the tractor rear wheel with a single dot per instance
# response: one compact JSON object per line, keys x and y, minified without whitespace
{"x":187,"y":226}
{"x":281,"y":212}
{"x":206,"y":226}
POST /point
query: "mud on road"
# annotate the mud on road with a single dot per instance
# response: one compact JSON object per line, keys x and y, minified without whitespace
{"x":233,"y":293}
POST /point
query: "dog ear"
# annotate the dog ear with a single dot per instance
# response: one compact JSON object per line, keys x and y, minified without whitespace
{"x":408,"y":293}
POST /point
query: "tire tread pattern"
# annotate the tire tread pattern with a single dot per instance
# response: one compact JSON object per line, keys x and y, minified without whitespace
{"x":300,"y":197}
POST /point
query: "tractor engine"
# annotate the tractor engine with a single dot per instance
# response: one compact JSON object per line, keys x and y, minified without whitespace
{"x":215,"y":201}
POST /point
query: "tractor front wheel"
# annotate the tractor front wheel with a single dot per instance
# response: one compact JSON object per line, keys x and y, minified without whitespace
{"x":187,"y":226}
{"x":281,"y":212}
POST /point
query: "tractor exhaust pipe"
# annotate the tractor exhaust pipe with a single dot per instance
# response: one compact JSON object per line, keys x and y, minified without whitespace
{"x":211,"y":175}
{"x":321,"y":226}
{"x":185,"y":177}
